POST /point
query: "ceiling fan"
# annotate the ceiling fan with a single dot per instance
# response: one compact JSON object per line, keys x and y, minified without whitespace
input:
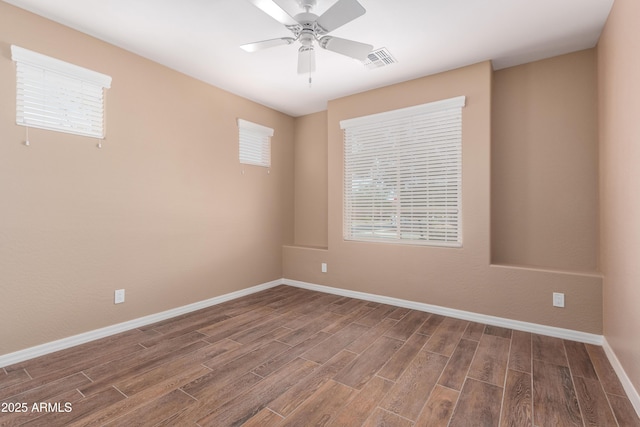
{"x":308,"y":27}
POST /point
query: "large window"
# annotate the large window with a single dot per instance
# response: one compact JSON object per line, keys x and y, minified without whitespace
{"x":56,"y":95}
{"x":403,"y":175}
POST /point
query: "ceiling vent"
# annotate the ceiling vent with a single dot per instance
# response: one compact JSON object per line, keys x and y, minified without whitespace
{"x":379,"y":58}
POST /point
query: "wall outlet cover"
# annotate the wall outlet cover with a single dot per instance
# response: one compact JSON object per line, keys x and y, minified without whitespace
{"x":119,"y":296}
{"x":558,"y":299}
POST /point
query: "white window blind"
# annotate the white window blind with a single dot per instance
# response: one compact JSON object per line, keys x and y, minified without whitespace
{"x":403,"y":175}
{"x":255,"y":143}
{"x":56,"y":95}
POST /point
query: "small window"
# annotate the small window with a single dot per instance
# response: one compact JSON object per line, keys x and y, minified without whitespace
{"x":403,"y":175}
{"x":56,"y":95}
{"x":255,"y":143}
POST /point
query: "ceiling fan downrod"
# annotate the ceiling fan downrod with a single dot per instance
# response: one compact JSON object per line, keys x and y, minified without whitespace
{"x":307,"y":5}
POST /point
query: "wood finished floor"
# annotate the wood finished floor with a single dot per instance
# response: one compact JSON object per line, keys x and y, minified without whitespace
{"x":294,"y":357}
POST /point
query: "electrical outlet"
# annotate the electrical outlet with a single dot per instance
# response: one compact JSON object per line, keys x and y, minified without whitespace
{"x":119,"y":296}
{"x":558,"y":299}
{"x":324,"y":267}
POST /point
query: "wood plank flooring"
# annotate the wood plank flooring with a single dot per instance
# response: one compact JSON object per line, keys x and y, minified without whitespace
{"x":294,"y":357}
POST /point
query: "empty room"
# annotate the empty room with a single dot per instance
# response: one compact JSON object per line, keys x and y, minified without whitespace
{"x":319,"y":212}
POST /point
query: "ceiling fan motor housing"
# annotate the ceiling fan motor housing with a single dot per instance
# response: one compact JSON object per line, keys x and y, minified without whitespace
{"x":306,"y":38}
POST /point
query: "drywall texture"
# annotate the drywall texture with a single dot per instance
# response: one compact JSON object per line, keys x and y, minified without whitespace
{"x":310,"y":154}
{"x":163,"y":210}
{"x":619,"y":86}
{"x":462,"y":278}
{"x":544,"y":164}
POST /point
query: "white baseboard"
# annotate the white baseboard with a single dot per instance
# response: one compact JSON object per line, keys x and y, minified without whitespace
{"x":631,"y":391}
{"x":568,"y":334}
{"x":40,"y":350}
{"x":50,"y":347}
{"x":458,"y":314}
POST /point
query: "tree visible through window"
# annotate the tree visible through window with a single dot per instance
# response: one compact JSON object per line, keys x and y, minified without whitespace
{"x":403,"y":175}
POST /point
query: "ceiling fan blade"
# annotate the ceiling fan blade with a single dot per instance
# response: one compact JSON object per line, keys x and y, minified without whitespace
{"x":306,"y":60}
{"x":346,"y":47}
{"x":340,"y":13}
{"x":272,"y":9}
{"x":265,"y":44}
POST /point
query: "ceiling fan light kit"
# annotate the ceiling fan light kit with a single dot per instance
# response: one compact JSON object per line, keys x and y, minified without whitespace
{"x":309,"y":28}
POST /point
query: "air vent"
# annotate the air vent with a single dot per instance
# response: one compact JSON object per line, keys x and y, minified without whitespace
{"x":379,"y":58}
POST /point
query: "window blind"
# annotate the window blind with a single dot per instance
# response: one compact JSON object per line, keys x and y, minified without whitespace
{"x":403,"y":175}
{"x":59,"y":96}
{"x":255,"y":143}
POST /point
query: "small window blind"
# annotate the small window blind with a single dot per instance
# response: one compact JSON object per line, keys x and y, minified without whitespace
{"x":56,"y":95}
{"x":255,"y":143}
{"x":403,"y":175}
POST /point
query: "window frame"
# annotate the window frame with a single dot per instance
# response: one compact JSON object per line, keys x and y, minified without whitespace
{"x":55,"y":95}
{"x":254,"y":143}
{"x":380,"y":145}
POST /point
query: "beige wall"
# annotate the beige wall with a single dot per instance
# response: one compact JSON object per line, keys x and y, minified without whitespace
{"x":310,"y":160}
{"x":544,"y":164}
{"x":619,"y":95}
{"x":162,"y":210}
{"x":457,"y":278}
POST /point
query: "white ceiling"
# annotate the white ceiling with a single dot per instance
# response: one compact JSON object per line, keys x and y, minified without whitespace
{"x":201,"y":37}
